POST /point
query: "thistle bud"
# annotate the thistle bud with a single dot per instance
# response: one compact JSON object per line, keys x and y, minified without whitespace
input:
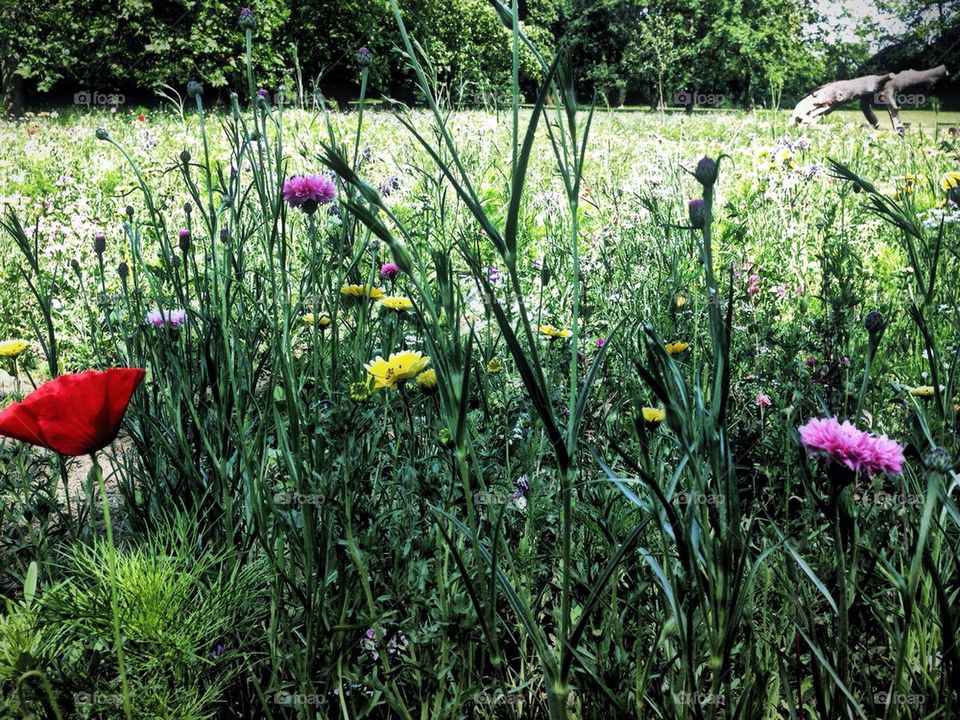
{"x":123,"y":270}
{"x":187,"y":208}
{"x":938,"y":460}
{"x":364,"y":57}
{"x":874,"y":322}
{"x":184,"y":235}
{"x":102,"y":134}
{"x":194,"y":89}
{"x":129,"y":211}
{"x":697,"y":212}
{"x":247,"y":21}
{"x":99,"y":243}
{"x":545,"y":273}
{"x":706,"y":172}
{"x":75,"y":266}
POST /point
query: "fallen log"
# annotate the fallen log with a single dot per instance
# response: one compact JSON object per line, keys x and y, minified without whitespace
{"x":892,"y":93}
{"x":887,"y":90}
{"x":827,"y":98}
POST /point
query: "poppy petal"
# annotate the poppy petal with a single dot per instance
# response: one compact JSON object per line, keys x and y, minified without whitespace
{"x":73,"y":414}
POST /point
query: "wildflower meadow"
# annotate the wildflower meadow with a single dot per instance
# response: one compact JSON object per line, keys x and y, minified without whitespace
{"x":543,"y":409}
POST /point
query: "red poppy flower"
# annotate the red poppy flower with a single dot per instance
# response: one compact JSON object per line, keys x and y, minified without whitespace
{"x":73,"y":414}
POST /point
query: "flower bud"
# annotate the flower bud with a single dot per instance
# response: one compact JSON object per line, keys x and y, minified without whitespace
{"x":364,"y":57}
{"x":123,"y":270}
{"x":75,"y":265}
{"x":102,"y":134}
{"x":247,"y":21}
{"x":938,"y":460}
{"x":129,"y":211}
{"x":99,"y":243}
{"x":874,"y":322}
{"x":697,"y":213}
{"x":187,"y":208}
{"x":194,"y":89}
{"x":185,"y":157}
{"x":706,"y":172}
{"x":184,"y":235}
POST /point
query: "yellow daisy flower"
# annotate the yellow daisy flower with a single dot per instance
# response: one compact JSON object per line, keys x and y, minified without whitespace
{"x":362,"y":292}
{"x":653,"y":415}
{"x":549,"y":331}
{"x":950,"y":180}
{"x":427,"y":380}
{"x":680,"y":301}
{"x":494,"y":366}
{"x":677,"y":347}
{"x":323,"y":322}
{"x":399,"y":368}
{"x":397,"y":303}
{"x":13,"y":348}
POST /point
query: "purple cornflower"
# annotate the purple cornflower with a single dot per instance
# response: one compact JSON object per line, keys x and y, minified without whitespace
{"x":166,"y":318}
{"x":494,"y":275}
{"x":307,"y":192}
{"x":389,"y":270}
{"x":390,"y":185}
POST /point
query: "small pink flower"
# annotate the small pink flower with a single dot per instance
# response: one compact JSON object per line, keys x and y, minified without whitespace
{"x":762,"y":400}
{"x":166,"y":318}
{"x":855,"y":449}
{"x":779,"y":291}
{"x":600,"y":343}
{"x":389,"y":270}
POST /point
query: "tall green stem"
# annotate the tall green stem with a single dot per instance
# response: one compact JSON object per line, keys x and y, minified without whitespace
{"x":96,"y":471}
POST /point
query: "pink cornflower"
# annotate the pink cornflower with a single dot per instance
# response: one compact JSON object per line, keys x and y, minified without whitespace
{"x":762,"y":400}
{"x":307,"y":192}
{"x":166,"y":318}
{"x":389,"y":270}
{"x":855,"y":449}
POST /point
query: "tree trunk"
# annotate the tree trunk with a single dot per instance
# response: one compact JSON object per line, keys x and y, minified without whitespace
{"x":11,"y":82}
{"x":827,"y":98}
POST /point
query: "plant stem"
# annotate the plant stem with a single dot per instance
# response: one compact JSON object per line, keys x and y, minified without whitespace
{"x":114,"y":608}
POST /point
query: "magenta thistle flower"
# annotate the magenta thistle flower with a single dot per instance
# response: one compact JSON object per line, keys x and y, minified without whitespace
{"x":307,"y":192}
{"x":166,"y":318}
{"x":762,"y":400}
{"x":389,"y":270}
{"x":600,"y":343}
{"x":855,"y":449}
